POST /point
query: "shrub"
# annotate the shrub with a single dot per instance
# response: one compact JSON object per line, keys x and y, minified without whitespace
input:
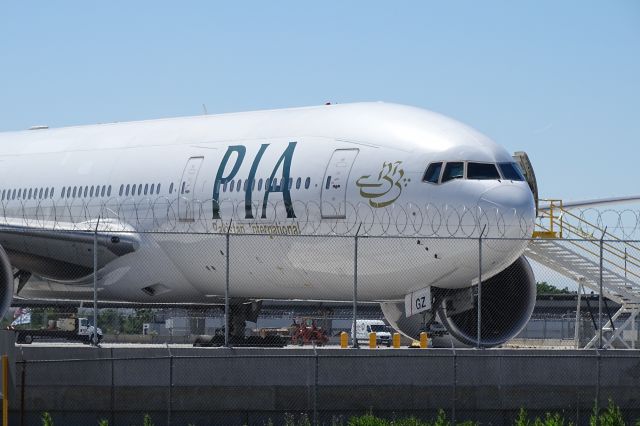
{"x":47,"y":420}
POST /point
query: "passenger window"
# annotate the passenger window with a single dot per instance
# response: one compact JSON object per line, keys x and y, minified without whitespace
{"x":75,"y":191}
{"x":133,"y":190}
{"x":307,"y":183}
{"x":108,"y":191}
{"x":298,"y":182}
{"x":433,"y":173}
{"x":326,"y":186}
{"x":158,"y":189}
{"x":13,"y":196}
{"x":126,"y":190}
{"x":40,"y":193}
{"x":511,"y":171}
{"x":274,"y":184}
{"x":29,"y":197}
{"x":91,"y":191}
{"x":140,"y":189}
{"x":453,"y":171}
{"x":152,"y":189}
{"x":290,"y":183}
{"x":171,"y":188}
{"x":121,"y":190}
{"x":238,"y":185}
{"x":146,"y":188}
{"x":69,"y":192}
{"x":224,"y":187}
{"x":3,"y":192}
{"x":260,"y":185}
{"x":46,"y":193}
{"x":51,"y":193}
{"x":267,"y":182}
{"x":231,"y":185}
{"x":482,"y":171}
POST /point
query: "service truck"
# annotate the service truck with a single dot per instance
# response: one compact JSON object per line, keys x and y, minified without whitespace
{"x":366,"y":326}
{"x":70,"y":329}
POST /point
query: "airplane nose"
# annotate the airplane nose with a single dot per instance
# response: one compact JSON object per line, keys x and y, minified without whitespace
{"x":508,"y":210}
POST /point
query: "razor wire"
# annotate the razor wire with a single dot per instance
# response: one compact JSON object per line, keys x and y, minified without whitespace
{"x":180,"y":214}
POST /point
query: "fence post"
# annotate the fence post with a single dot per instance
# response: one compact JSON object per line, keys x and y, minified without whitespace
{"x":576,"y":332}
{"x":480,"y":287}
{"x":226,"y":291}
{"x":354,"y":339}
{"x":23,"y":381}
{"x":94,"y":337}
{"x":5,"y":390}
{"x":170,"y":405}
{"x":600,"y":295}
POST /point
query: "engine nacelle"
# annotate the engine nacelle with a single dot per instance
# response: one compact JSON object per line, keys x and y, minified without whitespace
{"x":508,"y":299}
{"x":6,"y":283}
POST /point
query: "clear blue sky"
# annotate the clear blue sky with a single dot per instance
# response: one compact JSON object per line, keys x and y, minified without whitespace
{"x":560,"y":80}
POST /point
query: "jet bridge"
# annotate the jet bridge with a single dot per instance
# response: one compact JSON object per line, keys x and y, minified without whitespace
{"x":593,"y":258}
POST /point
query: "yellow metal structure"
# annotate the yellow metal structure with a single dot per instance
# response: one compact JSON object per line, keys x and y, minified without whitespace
{"x":555,"y":217}
{"x":373,"y":340}
{"x":423,"y":340}
{"x":396,"y":340}
{"x":557,"y":222}
{"x":344,"y":339}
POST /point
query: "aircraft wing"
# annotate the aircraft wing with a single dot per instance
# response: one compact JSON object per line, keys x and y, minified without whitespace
{"x":64,"y":252}
{"x":544,"y":205}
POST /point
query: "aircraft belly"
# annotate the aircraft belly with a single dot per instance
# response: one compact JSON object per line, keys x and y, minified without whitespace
{"x":192,"y":268}
{"x":309,"y":267}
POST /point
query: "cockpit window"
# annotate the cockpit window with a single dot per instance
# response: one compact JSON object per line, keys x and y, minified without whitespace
{"x":453,"y":171}
{"x":510,"y":171}
{"x":433,"y":173}
{"x":482,"y":171}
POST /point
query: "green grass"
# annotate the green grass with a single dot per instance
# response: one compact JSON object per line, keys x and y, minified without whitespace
{"x":608,"y":416}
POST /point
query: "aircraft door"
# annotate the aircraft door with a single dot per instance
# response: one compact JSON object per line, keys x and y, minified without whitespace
{"x":334,"y":186}
{"x":187,"y":189}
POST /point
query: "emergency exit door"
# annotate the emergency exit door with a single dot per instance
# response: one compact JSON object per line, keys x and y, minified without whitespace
{"x":334,"y":186}
{"x":187,"y":189}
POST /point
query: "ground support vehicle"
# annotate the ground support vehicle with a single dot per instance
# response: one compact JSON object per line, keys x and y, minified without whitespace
{"x":69,"y":329}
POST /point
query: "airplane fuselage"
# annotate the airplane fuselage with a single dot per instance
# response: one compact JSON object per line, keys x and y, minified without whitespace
{"x":291,"y":187}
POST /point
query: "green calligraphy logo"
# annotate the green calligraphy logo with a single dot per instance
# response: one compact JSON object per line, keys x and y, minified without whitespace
{"x":387,"y":188}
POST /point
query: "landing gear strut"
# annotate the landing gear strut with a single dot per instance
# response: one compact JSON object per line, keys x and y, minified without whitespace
{"x":239,"y":314}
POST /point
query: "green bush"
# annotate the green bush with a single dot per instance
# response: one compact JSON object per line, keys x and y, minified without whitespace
{"x":147,"y":420}
{"x":610,"y":416}
{"x":367,"y":420}
{"x":47,"y":420}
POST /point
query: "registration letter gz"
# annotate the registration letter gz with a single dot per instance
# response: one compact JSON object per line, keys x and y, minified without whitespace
{"x":417,"y":301}
{"x":421,"y":303}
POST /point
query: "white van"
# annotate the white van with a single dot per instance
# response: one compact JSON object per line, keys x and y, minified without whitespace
{"x":383,"y":332}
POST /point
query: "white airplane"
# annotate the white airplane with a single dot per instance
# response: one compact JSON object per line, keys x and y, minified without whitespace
{"x":162,"y":195}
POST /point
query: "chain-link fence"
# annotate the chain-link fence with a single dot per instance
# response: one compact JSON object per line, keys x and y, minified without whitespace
{"x":325,"y":387}
{"x":161,"y":293}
